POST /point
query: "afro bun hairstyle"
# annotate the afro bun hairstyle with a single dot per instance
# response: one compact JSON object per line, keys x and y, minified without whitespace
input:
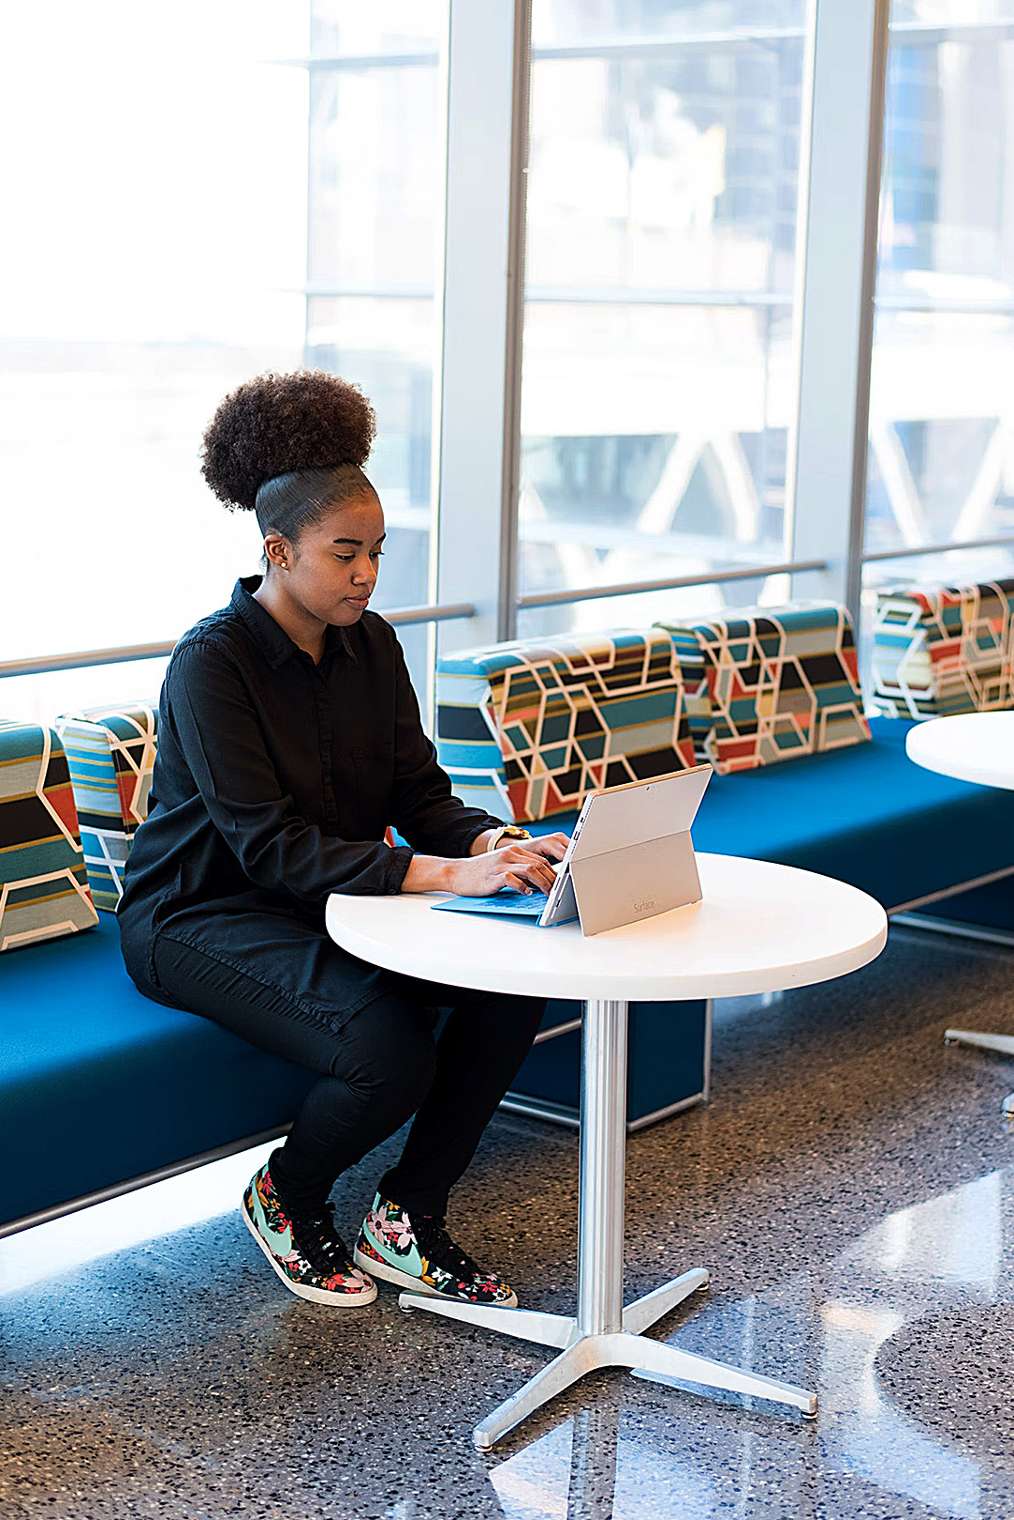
{"x":275,"y":424}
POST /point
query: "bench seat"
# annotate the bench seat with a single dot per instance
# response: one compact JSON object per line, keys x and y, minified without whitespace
{"x":99,"y":1085}
{"x":866,"y":815}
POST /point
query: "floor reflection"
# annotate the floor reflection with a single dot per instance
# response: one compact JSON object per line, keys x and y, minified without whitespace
{"x":898,"y":1378}
{"x":851,"y":1186}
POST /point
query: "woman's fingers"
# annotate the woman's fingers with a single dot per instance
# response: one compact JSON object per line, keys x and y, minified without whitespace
{"x":524,"y":869}
{"x":553,"y":846}
{"x":541,"y":875}
{"x":533,"y":868}
{"x":523,"y":854}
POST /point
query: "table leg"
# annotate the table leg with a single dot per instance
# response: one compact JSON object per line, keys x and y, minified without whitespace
{"x":601,"y":1168}
{"x":1003,"y":1043}
{"x":603,"y":1333}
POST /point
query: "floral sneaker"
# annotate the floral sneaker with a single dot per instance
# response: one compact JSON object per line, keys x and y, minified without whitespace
{"x":304,"y":1249}
{"x":421,"y":1256}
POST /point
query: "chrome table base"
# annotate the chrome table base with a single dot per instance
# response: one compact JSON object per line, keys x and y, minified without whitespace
{"x":603,"y":1333}
{"x":1004,"y":1043}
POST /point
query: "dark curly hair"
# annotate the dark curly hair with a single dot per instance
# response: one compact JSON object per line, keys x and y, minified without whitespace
{"x":289,"y":447}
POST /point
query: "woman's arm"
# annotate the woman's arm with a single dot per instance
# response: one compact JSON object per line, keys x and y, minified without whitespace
{"x":516,"y":865}
{"x":223,"y":745}
{"x":424,"y":810}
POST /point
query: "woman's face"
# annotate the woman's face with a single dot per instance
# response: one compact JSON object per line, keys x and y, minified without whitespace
{"x":334,"y":569}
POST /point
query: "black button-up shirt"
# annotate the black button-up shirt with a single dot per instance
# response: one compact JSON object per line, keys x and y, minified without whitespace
{"x":275,"y":778}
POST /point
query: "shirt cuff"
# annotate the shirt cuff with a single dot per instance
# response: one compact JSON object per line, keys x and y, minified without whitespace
{"x":396,"y":868}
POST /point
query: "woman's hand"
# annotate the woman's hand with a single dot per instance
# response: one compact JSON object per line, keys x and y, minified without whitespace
{"x":523,"y":866}
{"x":552,"y":846}
{"x":517,"y":865}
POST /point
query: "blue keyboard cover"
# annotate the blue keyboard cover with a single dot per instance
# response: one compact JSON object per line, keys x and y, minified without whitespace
{"x":506,"y":901}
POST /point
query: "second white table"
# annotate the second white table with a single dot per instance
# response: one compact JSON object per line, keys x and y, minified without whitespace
{"x":977,"y":747}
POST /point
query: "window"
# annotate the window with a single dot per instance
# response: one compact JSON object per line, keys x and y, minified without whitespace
{"x":162,"y":217}
{"x":375,"y":197}
{"x":248,"y":188}
{"x":657,"y":372}
{"x":941,"y":455}
{"x":262,"y":186}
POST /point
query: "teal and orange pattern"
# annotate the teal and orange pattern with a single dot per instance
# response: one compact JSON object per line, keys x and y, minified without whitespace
{"x":939,"y":650}
{"x":390,"y":1247}
{"x":267,"y":1219}
{"x":768,"y":684}
{"x":111,"y":754}
{"x":528,"y":729}
{"x":44,"y":889}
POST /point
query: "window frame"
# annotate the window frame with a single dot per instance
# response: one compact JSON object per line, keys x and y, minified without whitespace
{"x":484,"y":64}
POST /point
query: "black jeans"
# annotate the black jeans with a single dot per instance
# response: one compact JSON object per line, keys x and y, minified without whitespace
{"x":378,"y":1066}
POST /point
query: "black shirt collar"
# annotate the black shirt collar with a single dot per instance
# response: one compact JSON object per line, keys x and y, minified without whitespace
{"x":270,"y":635}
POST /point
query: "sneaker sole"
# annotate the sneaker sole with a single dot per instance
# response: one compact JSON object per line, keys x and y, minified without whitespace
{"x":415,"y":1285}
{"x":315,"y":1295}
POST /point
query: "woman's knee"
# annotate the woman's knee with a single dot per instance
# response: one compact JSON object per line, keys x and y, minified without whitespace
{"x":387,"y":1053}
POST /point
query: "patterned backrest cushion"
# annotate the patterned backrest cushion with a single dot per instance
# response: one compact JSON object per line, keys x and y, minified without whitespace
{"x":944,"y":649}
{"x":527,"y":729}
{"x":767,"y":684}
{"x":111,"y":752}
{"x":43,"y":884}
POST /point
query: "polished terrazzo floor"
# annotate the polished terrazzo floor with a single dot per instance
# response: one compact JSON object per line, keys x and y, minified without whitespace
{"x":851,"y":1185}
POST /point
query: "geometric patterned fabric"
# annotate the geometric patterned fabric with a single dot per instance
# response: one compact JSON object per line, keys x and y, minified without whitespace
{"x":111,"y":753}
{"x":528,"y":729}
{"x":939,"y":650}
{"x":770,"y":684}
{"x":43,"y":884}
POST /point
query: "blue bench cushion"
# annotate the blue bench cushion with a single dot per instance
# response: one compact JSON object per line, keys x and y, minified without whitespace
{"x":99,"y":1084}
{"x":666,"y":1060}
{"x":866,"y":815}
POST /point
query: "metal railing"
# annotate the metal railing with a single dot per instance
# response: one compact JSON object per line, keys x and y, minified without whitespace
{"x":660,"y":45}
{"x":445,"y":612}
{"x":966,"y":543}
{"x":400,"y":616}
{"x":666,"y":295}
{"x":665,"y":583}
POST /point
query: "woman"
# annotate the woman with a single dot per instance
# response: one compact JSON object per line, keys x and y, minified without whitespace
{"x":289,"y":739}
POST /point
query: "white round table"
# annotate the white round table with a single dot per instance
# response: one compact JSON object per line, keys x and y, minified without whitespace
{"x":975,"y":747}
{"x":759,"y":928}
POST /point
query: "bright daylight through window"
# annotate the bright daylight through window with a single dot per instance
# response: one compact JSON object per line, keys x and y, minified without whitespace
{"x":296,"y":213}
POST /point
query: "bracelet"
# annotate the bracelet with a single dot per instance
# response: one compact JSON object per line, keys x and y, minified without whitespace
{"x":508,"y":831}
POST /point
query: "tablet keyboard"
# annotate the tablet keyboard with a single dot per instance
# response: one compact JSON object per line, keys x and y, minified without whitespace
{"x":516,"y":904}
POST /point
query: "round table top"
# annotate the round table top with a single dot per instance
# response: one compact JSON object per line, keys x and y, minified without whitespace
{"x":969,"y":746}
{"x":760,"y":927}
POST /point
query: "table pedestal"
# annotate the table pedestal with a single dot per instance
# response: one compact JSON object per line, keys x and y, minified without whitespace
{"x":603,"y":1333}
{"x":1004,"y":1043}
